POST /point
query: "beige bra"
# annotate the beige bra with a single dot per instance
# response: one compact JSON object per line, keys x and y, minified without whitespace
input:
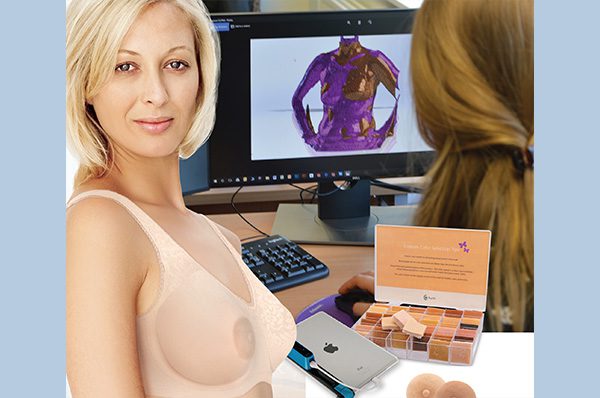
{"x":199,"y":339}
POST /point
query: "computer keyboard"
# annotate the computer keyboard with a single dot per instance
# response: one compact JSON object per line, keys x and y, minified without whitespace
{"x":280,"y":263}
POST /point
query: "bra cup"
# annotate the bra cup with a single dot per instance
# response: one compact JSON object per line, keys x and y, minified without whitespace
{"x":278,"y":321}
{"x":199,"y":339}
{"x":204,"y":333}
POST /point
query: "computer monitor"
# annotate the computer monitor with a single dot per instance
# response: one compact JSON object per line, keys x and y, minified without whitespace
{"x":193,"y":172}
{"x":318,"y":97}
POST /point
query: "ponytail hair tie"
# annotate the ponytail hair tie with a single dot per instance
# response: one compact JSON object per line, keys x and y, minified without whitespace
{"x":523,"y":159}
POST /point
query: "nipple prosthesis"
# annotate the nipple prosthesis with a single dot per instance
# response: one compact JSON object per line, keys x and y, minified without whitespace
{"x":428,"y":385}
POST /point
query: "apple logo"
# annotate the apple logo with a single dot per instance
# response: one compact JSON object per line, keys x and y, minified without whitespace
{"x":330,"y":348}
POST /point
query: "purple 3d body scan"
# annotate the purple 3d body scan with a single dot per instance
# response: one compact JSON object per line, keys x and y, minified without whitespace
{"x":331,"y":96}
{"x":349,"y":77}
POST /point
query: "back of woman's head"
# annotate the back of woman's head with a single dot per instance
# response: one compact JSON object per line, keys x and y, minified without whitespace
{"x":472,"y":76}
{"x":95,"y":30}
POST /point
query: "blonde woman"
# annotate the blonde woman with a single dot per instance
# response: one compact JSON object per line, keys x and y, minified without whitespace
{"x":159,"y":303}
{"x":472,"y":77}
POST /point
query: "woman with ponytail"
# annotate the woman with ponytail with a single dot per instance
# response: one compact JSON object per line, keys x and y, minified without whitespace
{"x":472,"y":76}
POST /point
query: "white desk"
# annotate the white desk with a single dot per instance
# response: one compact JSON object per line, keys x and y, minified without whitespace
{"x":503,"y":368}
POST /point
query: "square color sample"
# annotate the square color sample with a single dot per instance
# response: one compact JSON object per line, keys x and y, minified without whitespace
{"x":448,"y":335}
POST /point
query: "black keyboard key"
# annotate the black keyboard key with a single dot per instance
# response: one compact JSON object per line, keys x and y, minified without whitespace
{"x":281,"y":264}
{"x":313,"y":261}
{"x":299,"y":271}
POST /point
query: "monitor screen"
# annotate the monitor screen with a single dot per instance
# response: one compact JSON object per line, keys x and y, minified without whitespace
{"x":314,"y":97}
{"x":193,"y":174}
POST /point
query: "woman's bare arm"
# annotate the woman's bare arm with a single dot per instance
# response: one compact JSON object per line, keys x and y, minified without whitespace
{"x":105,"y":270}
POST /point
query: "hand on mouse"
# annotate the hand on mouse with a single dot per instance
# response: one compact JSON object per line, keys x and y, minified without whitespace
{"x":363,"y":281}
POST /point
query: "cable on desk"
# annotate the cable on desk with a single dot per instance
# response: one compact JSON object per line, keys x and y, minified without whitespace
{"x":315,"y":192}
{"x":240,"y":214}
{"x":301,"y":192}
{"x":401,"y":188}
{"x":309,"y":189}
{"x":314,"y":195}
{"x":250,"y":238}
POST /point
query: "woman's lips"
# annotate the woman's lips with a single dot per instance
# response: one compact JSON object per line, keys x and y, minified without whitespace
{"x":154,"y":125}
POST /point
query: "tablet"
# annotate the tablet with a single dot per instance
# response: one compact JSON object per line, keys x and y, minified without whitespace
{"x":341,"y":352}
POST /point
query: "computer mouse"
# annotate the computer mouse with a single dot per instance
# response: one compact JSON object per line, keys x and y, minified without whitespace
{"x":345,"y":302}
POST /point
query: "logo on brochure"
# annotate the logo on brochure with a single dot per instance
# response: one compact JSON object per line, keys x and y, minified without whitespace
{"x":330,"y":348}
{"x":463,"y":245}
{"x":427,"y":297}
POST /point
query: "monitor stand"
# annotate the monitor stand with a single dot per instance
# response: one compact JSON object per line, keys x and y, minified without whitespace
{"x":344,"y":217}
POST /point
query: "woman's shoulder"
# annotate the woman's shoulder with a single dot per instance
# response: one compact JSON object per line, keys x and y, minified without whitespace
{"x":100,"y":220}
{"x":102,"y":235}
{"x":100,"y":201}
{"x":102,"y":212}
{"x":97,"y":185}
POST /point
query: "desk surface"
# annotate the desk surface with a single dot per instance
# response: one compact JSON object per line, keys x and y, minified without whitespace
{"x":281,"y":192}
{"x":343,"y":261}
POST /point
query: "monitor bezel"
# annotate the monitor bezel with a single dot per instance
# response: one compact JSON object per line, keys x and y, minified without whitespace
{"x":406,"y":164}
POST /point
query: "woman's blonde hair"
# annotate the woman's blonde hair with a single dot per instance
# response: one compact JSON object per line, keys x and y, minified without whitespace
{"x":95,"y":30}
{"x":472,"y":76}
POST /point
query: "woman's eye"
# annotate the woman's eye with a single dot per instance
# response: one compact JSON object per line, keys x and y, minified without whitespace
{"x":177,"y":65}
{"x":126,"y":67}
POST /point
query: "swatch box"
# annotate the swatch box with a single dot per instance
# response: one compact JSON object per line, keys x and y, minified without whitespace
{"x":439,"y":277}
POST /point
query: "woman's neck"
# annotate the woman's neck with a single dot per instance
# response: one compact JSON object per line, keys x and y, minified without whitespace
{"x":153,"y":181}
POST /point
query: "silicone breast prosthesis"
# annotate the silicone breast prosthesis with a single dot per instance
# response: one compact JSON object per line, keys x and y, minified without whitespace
{"x":428,"y":385}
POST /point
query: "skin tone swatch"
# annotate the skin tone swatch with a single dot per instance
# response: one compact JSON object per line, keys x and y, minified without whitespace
{"x":451,"y":336}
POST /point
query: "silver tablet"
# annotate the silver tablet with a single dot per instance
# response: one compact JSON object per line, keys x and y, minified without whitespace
{"x":342,"y":352}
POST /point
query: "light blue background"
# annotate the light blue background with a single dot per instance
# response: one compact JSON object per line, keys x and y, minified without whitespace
{"x":32,"y":178}
{"x":567,"y":246}
{"x":567,"y":198}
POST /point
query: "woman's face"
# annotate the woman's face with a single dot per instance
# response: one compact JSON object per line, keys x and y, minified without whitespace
{"x":148,"y":105}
